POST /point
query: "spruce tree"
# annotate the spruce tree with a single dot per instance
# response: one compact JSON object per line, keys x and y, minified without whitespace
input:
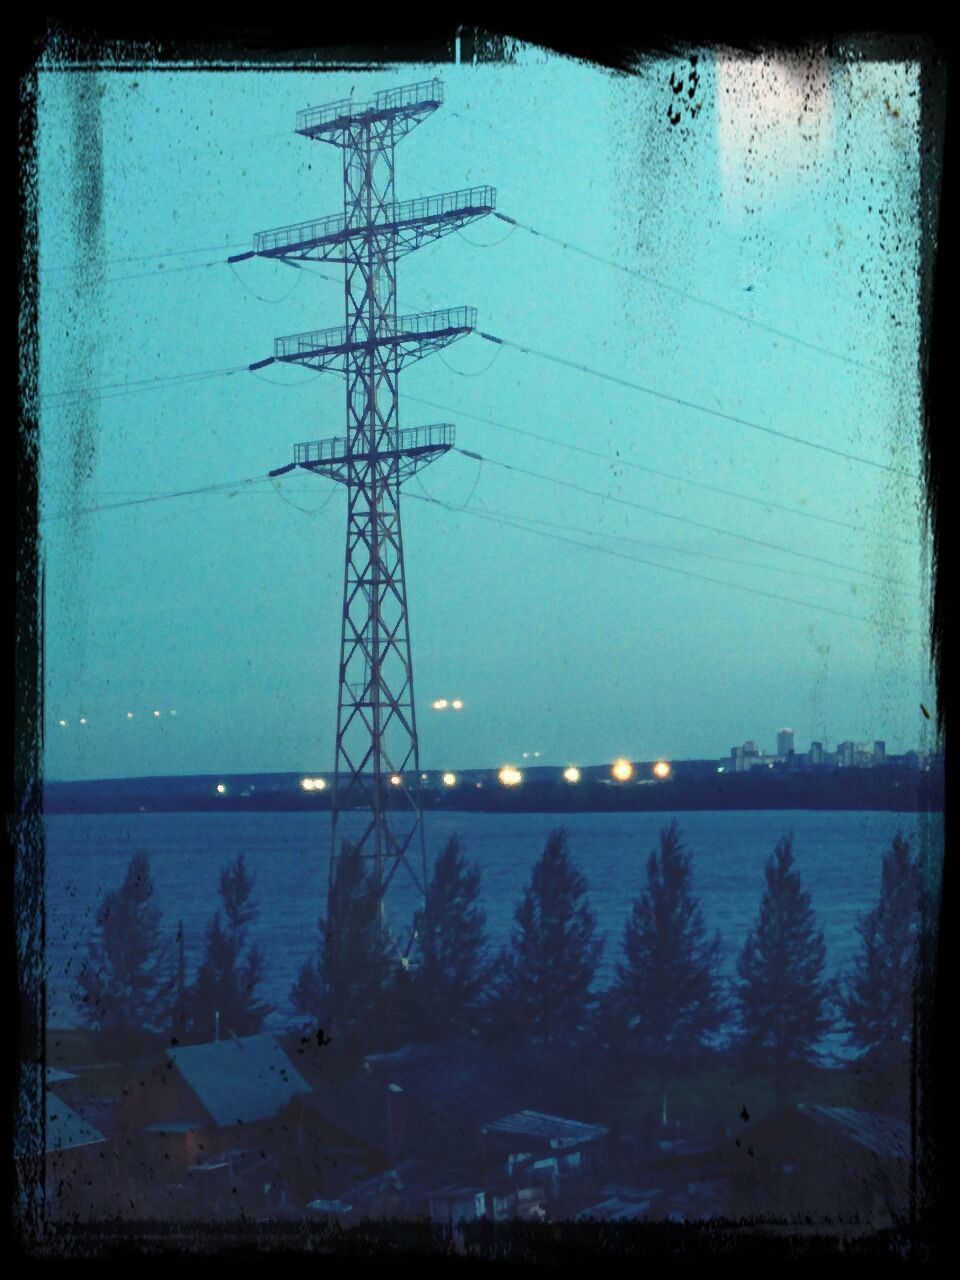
{"x":450,"y":969}
{"x":668,"y":984}
{"x":121,"y":987}
{"x":544,"y":990}
{"x":231,"y":970}
{"x":341,"y":988}
{"x":877,"y":997}
{"x":782,"y":991}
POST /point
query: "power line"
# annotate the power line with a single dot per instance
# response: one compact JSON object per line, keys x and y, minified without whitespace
{"x":686,"y":573}
{"x":144,"y":384}
{"x":152,"y":496}
{"x":697,"y":524}
{"x":157,"y":274}
{"x":667,"y":475}
{"x":509,"y":522}
{"x":476,"y":373}
{"x":243,"y":285}
{"x":692,"y":297}
{"x":307,"y":511}
{"x":147,"y":257}
{"x":644,"y":542}
{"x":156,"y":497}
{"x":691,"y":404}
{"x":683,"y":551}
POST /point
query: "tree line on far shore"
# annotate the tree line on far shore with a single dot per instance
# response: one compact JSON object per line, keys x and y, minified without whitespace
{"x":667,"y":1007}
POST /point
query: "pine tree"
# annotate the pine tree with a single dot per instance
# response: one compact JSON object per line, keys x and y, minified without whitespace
{"x":121,"y":987}
{"x":231,"y":970}
{"x":782,"y":991}
{"x":877,"y":999}
{"x":341,"y":989}
{"x":668,"y":985}
{"x":544,"y":989}
{"x":450,"y":970}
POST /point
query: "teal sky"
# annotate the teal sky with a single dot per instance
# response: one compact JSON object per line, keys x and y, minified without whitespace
{"x":788,"y":196}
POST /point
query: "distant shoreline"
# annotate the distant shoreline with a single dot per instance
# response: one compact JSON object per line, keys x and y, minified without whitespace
{"x":890,"y":788}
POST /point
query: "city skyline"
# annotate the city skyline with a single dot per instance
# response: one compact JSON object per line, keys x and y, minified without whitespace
{"x":528,"y":758}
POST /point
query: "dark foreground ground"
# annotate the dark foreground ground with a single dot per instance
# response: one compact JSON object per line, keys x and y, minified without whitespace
{"x":396,"y":1152}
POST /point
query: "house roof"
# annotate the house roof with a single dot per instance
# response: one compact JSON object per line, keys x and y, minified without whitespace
{"x":240,"y":1080}
{"x":614,"y":1209}
{"x":63,"y":1129}
{"x":883,"y":1135}
{"x":434,"y":1109}
{"x":54,"y":1075}
{"x":415,"y":1180}
{"x":556,"y":1130}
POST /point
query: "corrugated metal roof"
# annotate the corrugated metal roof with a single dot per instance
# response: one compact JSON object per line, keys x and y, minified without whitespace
{"x":536,"y":1124}
{"x":883,"y":1135}
{"x":240,"y":1080}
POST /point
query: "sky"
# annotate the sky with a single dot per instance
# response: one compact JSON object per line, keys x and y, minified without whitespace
{"x":650,"y":579}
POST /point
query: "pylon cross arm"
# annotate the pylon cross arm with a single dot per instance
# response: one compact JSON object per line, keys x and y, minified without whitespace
{"x":403,"y":226}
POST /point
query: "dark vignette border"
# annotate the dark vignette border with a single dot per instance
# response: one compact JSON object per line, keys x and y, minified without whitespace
{"x":213,"y":45}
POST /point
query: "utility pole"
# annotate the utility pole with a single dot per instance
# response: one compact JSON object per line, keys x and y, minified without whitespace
{"x":377,"y":765}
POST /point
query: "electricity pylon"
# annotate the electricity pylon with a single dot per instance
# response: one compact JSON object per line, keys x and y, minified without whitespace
{"x":377,"y":764}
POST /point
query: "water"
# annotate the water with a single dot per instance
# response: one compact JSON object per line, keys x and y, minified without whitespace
{"x":838,"y":855}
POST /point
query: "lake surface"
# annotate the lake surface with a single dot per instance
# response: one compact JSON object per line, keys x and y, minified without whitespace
{"x":838,"y":855}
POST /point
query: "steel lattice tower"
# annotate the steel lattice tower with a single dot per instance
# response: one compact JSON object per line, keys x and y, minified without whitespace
{"x":377,"y":765}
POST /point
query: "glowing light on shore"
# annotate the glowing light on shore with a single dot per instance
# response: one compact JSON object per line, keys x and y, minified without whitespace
{"x":156,"y":713}
{"x":62,"y":724}
{"x":307,"y":784}
{"x":220,"y":788}
{"x":661,"y":769}
{"x":622,"y":770}
{"x":83,"y":719}
{"x":129,"y":715}
{"x":510,"y":776}
{"x":319,"y":784}
{"x":572,"y":774}
{"x":440,"y":704}
{"x":457,"y":704}
{"x":395,"y":779}
{"x":449,"y":779}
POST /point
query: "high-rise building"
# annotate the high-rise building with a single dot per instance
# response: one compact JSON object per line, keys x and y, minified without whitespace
{"x":784,"y":742}
{"x":816,"y":753}
{"x":879,"y":752}
{"x":845,"y":753}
